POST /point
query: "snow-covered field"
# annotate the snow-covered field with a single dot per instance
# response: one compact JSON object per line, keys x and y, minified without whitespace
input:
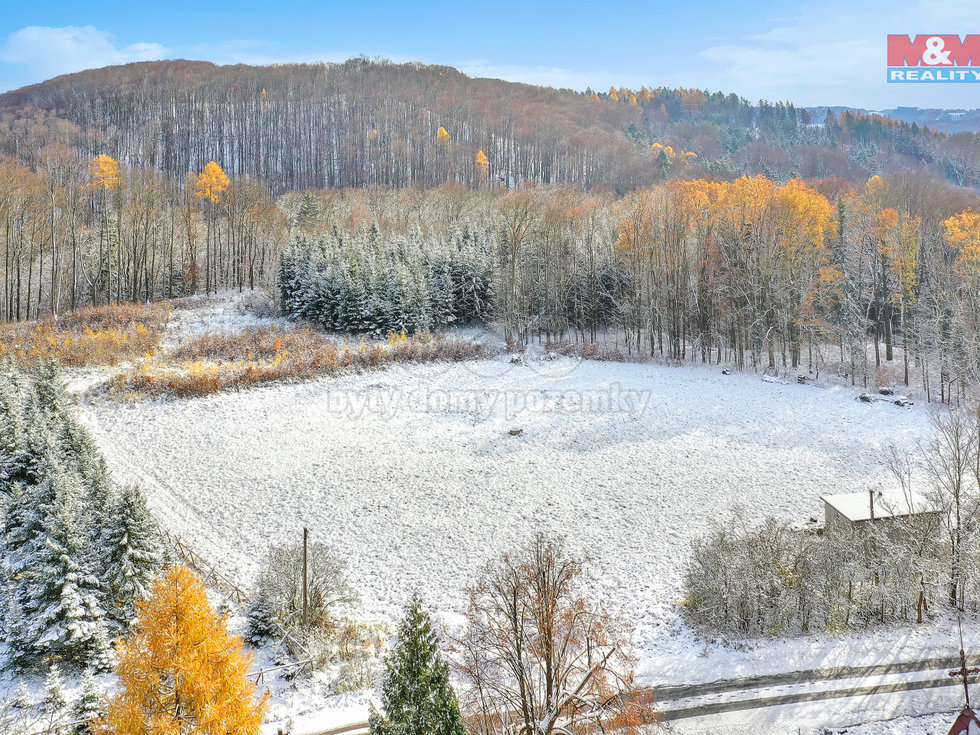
{"x":413,"y":476}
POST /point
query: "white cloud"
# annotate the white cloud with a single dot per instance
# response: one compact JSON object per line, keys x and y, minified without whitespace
{"x":837,"y":55}
{"x":47,"y":51}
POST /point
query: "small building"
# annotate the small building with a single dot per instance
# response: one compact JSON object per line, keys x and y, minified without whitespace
{"x":852,"y":511}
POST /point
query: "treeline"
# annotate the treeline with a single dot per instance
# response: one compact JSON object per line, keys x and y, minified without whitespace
{"x":373,"y":123}
{"x":78,"y":233}
{"x":77,"y":550}
{"x":766,"y":276}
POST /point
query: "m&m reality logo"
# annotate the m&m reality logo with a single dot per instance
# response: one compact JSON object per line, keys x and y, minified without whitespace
{"x":934,"y":58}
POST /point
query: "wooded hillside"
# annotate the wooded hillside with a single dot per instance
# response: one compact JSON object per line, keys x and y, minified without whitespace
{"x":375,"y":123}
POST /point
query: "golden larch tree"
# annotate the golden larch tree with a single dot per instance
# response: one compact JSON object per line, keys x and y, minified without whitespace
{"x":211,"y":182}
{"x":963,"y":232}
{"x":443,"y":136}
{"x":181,"y":672}
{"x":103,"y":173}
{"x":483,"y":163}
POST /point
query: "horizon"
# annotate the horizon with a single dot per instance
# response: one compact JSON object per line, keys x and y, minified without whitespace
{"x":817,"y":55}
{"x":382,"y":59}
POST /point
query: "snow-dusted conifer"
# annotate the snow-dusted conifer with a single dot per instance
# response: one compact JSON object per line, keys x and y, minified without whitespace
{"x":61,"y":597}
{"x":88,"y":705}
{"x":260,"y":624}
{"x":55,"y":699}
{"x":416,"y":696}
{"x":13,"y":433}
{"x":134,"y":552}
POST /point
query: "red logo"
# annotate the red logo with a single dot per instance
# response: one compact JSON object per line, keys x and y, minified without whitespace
{"x":934,"y":50}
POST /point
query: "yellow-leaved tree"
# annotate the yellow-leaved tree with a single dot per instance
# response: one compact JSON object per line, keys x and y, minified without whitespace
{"x":103,"y":172}
{"x":443,"y":136}
{"x":181,"y":672}
{"x":483,"y":163}
{"x":211,"y":182}
{"x":963,"y":232}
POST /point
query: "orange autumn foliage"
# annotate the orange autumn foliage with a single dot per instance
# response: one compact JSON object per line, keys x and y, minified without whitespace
{"x":211,"y":182}
{"x":963,"y":232}
{"x":181,"y":672}
{"x":103,"y":173}
{"x":483,"y":163}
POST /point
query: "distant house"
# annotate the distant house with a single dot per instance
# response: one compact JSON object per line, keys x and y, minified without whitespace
{"x":852,"y":511}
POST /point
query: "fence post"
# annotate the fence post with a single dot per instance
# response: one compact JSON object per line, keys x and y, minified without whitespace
{"x":306,"y":535}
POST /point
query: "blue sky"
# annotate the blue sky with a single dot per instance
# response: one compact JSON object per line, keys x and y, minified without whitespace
{"x":811,"y":53}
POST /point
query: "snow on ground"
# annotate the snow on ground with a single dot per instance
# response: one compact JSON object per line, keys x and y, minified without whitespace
{"x":413,"y":477}
{"x":228,"y":312}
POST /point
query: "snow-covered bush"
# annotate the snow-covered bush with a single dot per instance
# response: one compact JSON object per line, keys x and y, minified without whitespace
{"x":279,"y":600}
{"x":768,"y":579}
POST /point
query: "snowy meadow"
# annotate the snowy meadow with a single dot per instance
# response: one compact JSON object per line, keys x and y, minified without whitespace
{"x":418,"y":474}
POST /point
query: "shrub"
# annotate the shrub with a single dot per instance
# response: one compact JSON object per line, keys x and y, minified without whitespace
{"x":772,"y":580}
{"x":94,"y":336}
{"x":214,"y":363}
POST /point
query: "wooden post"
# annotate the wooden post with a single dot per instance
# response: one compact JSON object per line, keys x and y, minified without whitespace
{"x":306,"y":535}
{"x":871,"y":497}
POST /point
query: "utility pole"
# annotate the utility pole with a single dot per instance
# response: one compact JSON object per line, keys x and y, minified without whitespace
{"x":306,"y":536}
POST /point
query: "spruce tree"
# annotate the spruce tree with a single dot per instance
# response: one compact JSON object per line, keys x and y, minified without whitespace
{"x":260,"y":623}
{"x":88,"y":705}
{"x":416,"y":696}
{"x":13,"y":432}
{"x":309,"y":210}
{"x":55,"y":701}
{"x":61,"y":597}
{"x":134,"y":552}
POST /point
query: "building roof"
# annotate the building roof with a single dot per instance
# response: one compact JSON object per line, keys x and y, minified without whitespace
{"x":888,"y":504}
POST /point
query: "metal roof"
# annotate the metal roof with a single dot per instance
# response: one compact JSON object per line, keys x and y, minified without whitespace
{"x":888,"y":504}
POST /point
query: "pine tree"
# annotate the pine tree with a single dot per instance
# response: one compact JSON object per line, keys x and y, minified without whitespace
{"x":260,"y":624}
{"x":61,"y":596}
{"x":181,"y":671}
{"x":55,"y":701}
{"x":13,"y":402}
{"x":309,"y":209}
{"x":133,"y":552}
{"x":416,"y":696}
{"x":54,"y":709}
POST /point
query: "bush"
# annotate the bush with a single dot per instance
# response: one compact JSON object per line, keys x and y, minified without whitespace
{"x":772,"y":580}
{"x":94,"y":336}
{"x":219,"y":362}
{"x":751,"y":580}
{"x":329,"y":593}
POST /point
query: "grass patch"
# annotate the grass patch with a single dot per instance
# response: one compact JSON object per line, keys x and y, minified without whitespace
{"x":94,"y":336}
{"x":212,"y":363}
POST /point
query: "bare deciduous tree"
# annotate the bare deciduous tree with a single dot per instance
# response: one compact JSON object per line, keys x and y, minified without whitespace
{"x":953,"y":463}
{"x":539,"y":656}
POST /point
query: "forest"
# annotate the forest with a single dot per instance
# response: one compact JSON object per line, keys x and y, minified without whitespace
{"x":688,"y":225}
